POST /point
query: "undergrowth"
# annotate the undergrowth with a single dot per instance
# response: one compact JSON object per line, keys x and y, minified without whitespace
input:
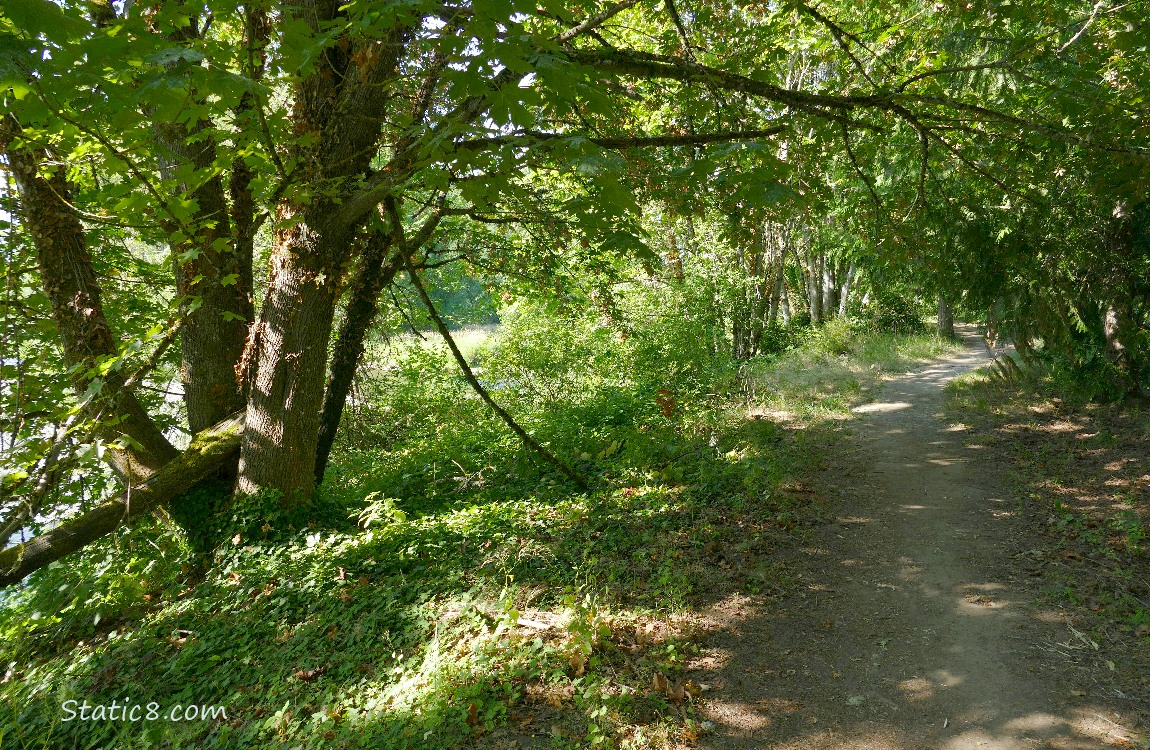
{"x":459,"y":592}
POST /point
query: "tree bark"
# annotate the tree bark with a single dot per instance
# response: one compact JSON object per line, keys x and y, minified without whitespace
{"x":778,"y":291}
{"x":213,"y":271}
{"x":70,"y":282}
{"x":287,"y":352}
{"x":341,"y":103}
{"x":814,"y":289}
{"x":845,"y":288}
{"x":830,"y":288}
{"x":210,"y":266}
{"x":209,"y":451}
{"x":378,"y":266}
{"x":945,"y":317}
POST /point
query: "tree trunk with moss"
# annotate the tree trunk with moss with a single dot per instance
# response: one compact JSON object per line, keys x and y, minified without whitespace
{"x":137,"y":448}
{"x":209,"y":451}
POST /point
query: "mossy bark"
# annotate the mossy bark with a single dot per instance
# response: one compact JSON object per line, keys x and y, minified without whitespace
{"x":208,"y":453}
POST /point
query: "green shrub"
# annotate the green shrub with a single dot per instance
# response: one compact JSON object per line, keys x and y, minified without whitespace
{"x":779,"y":337}
{"x":889,"y":313}
{"x":837,"y":336}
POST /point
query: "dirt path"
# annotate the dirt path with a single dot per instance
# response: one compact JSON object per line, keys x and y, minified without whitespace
{"x":913,"y":629}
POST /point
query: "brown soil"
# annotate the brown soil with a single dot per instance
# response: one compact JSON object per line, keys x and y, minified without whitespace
{"x":915,"y":626}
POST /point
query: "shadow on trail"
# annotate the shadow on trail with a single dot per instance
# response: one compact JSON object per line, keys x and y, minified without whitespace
{"x":911,"y":629}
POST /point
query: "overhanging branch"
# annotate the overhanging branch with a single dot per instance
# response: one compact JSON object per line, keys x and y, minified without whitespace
{"x":595,"y":21}
{"x":533,"y":137}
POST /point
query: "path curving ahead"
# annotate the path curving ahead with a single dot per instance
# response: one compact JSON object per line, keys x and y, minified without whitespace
{"x":913,"y":629}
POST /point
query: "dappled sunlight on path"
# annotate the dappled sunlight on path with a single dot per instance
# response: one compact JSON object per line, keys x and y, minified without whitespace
{"x":913,"y":628}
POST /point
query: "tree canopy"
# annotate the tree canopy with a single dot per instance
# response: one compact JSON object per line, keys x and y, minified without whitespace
{"x":219,"y":195}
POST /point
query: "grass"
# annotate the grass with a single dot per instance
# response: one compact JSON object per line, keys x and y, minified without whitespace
{"x":469,"y":339}
{"x":481,"y":600}
{"x":838,"y":369}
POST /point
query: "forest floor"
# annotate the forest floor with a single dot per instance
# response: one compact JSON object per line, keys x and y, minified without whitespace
{"x":916,"y":624}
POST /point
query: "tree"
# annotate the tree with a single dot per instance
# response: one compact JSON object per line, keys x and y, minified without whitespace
{"x":329,"y":127}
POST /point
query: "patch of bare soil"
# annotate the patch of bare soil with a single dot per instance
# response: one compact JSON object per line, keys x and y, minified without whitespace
{"x":915,"y":626}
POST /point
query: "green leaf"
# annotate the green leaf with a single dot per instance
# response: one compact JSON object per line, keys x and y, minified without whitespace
{"x":174,"y":55}
{"x":41,"y":17}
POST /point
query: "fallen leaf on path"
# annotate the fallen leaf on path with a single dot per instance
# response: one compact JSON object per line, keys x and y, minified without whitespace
{"x":675,"y":691}
{"x":578,"y":662}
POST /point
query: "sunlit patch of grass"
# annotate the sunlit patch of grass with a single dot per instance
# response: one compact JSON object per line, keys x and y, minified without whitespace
{"x":895,"y":354}
{"x":469,"y":339}
{"x":812,"y":384}
{"x":972,"y":391}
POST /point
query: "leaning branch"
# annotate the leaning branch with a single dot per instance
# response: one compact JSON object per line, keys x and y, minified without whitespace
{"x":466,"y":368}
{"x":648,"y":65}
{"x":210,"y":450}
{"x":595,"y":21}
{"x":532,"y":137}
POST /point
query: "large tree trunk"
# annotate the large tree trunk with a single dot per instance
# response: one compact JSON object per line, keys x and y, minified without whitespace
{"x":778,"y":291}
{"x":343,"y":103}
{"x":213,"y":272}
{"x":209,"y":266}
{"x":845,"y":289}
{"x":287,"y":360}
{"x":70,"y":282}
{"x":830,"y":288}
{"x":209,"y":452}
{"x":813,"y":276}
{"x":945,"y":317}
{"x":786,"y":303}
